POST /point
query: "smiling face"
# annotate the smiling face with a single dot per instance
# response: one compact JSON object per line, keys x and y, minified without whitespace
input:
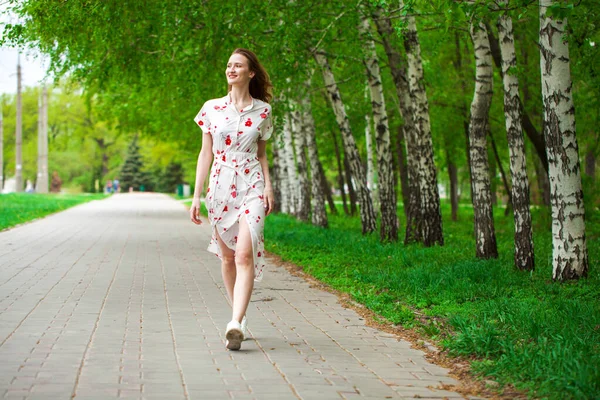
{"x":238,"y":71}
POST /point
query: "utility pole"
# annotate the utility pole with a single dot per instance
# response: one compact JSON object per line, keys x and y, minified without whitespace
{"x":19,"y":133}
{"x":44,"y":187}
{"x":42,"y":176}
{"x":41,"y":185}
{"x":38,"y":181}
{"x":1,"y":149}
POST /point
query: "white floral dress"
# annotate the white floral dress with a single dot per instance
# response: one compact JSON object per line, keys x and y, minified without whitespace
{"x":236,"y":182}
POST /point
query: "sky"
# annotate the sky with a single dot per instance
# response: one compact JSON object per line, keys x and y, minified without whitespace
{"x":33,"y":65}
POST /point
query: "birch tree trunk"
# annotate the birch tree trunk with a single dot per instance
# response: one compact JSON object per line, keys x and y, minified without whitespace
{"x":370,"y":165}
{"x":284,"y":185}
{"x":569,"y":248}
{"x":303,"y":198}
{"x":275,"y":172}
{"x":326,"y":188}
{"x":453,"y":178}
{"x":385,"y":171}
{"x":340,"y":175}
{"x":290,"y":166}
{"x":428,"y":212}
{"x":485,"y":235}
{"x":524,"y":256}
{"x":319,"y":215}
{"x":350,"y":184}
{"x":402,"y":166}
{"x":367,"y":214}
{"x":408,"y":133}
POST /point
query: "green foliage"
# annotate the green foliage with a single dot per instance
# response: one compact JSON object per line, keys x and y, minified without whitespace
{"x":18,"y":208}
{"x":522,"y":327}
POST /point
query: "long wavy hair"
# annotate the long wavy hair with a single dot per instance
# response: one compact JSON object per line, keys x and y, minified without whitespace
{"x":260,"y":85}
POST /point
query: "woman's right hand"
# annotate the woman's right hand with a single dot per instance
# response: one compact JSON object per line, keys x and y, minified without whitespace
{"x":195,"y":211}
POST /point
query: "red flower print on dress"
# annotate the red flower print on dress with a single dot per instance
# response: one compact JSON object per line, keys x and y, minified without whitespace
{"x":246,"y":171}
{"x":200,"y":123}
{"x":217,"y":107}
{"x":226,"y":208}
{"x":263,"y":115}
{"x":228,"y":141}
{"x":247,"y":211}
{"x":249,"y":122}
{"x":259,"y":254}
{"x":223,"y":158}
{"x":234,"y":194}
{"x":240,"y":133}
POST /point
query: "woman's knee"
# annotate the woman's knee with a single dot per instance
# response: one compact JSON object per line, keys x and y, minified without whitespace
{"x":243,"y":258}
{"x":228,"y":260}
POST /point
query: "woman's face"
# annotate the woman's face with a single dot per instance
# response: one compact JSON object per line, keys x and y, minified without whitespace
{"x":238,"y":72}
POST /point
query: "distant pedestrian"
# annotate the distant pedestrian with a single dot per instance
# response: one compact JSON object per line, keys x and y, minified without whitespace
{"x":115,"y":185}
{"x":235,"y":130}
{"x":55,"y":183}
{"x":108,"y":188}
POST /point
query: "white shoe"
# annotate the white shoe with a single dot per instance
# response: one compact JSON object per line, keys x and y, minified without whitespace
{"x":245,"y":327}
{"x":234,"y":335}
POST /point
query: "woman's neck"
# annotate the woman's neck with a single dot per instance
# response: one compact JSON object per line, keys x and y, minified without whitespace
{"x":240,"y":96}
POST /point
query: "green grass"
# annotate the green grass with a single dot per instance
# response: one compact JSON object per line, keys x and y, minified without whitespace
{"x":520,"y":327}
{"x":22,"y":207}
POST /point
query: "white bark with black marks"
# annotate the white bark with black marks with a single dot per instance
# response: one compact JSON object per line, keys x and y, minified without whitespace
{"x":485,"y":235}
{"x":569,"y":247}
{"x":406,"y":133}
{"x":524,"y":256}
{"x":283,"y":173}
{"x":385,"y":171}
{"x":303,"y":190}
{"x":292,"y":188}
{"x":319,"y":215}
{"x":367,"y":214}
{"x":428,"y":212}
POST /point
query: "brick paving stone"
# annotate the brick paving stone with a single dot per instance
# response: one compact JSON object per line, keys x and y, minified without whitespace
{"x":119,"y":299}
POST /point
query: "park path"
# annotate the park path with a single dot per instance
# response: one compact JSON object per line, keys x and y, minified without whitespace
{"x":118,"y":298}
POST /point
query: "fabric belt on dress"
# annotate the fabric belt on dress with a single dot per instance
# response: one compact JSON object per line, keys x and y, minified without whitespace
{"x":238,"y":162}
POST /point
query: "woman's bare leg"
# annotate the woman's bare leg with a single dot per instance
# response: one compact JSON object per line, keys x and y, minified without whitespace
{"x":244,"y":262}
{"x":228,"y":270}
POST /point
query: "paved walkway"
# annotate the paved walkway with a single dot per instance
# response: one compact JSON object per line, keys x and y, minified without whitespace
{"x":118,"y":298}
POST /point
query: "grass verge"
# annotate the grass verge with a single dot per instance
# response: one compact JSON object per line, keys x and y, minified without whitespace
{"x":23,"y":207}
{"x":519,"y":328}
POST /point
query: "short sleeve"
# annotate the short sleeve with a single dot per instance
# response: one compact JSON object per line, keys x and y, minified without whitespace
{"x":266,"y":127}
{"x":202,"y":120}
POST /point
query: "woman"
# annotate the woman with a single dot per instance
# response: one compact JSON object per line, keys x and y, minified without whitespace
{"x":235,"y":129}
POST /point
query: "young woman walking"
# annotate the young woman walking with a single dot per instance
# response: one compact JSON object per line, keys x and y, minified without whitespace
{"x":239,"y":195}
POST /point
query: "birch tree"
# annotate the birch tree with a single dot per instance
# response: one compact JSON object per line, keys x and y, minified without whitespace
{"x":302,"y":189}
{"x":485,"y":236}
{"x":367,"y":214}
{"x":428,"y":213}
{"x":287,"y":157}
{"x":370,"y":163}
{"x":407,"y":134}
{"x":319,"y":215}
{"x":569,"y":248}
{"x":284,"y":185}
{"x":385,"y":173}
{"x":524,"y":256}
{"x":276,"y":175}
